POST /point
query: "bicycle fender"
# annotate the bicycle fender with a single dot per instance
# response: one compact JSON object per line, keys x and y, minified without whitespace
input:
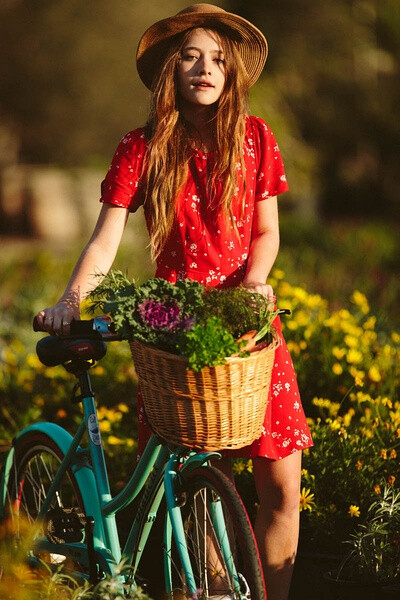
{"x":197,"y":460}
{"x":82,"y":471}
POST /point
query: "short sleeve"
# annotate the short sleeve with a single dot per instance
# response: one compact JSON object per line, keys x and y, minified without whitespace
{"x":122,"y":184}
{"x":271,"y":178}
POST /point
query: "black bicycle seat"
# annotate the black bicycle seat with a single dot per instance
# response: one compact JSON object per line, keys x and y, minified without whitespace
{"x":53,"y":350}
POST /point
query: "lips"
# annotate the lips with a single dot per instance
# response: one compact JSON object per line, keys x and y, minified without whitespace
{"x":203,"y":84}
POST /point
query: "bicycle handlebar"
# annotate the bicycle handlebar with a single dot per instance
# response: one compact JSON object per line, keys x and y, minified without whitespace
{"x":99,"y":327}
{"x":102,"y":327}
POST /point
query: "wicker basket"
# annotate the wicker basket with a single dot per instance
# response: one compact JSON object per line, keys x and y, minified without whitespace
{"x":216,"y":408}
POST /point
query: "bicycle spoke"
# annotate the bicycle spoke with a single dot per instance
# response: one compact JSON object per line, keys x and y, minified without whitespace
{"x":37,"y":459}
{"x":222,"y":552}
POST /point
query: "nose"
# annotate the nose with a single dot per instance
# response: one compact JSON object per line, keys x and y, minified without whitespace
{"x":204,"y":66}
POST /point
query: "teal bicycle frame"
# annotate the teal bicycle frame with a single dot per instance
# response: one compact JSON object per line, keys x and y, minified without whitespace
{"x":159,"y":472}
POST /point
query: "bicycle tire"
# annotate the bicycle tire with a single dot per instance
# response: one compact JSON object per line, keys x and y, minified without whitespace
{"x":207,"y":485}
{"x":36,"y":459}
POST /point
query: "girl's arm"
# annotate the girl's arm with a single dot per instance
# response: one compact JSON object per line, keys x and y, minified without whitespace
{"x":264,"y":247}
{"x":97,"y":257}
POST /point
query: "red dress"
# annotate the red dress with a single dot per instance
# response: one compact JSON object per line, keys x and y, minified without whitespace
{"x":204,"y":246}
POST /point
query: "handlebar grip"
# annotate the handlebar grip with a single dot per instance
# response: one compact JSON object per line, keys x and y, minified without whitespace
{"x":82,"y":327}
{"x":77,"y":327}
{"x":36,"y":326}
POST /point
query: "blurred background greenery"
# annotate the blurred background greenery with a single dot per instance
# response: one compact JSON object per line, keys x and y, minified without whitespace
{"x":69,"y":90}
{"x":331,"y":93}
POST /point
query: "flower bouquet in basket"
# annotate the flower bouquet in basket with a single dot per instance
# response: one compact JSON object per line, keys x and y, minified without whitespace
{"x":204,"y":356}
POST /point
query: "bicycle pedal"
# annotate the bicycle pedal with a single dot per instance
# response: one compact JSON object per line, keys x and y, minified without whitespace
{"x":64,"y":525}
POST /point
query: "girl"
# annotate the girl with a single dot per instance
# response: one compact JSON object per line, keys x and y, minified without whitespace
{"x":208,"y":176}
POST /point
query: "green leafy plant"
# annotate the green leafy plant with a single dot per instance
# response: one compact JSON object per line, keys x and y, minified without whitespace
{"x":207,"y":344}
{"x":203,"y":324}
{"x":375,"y":546}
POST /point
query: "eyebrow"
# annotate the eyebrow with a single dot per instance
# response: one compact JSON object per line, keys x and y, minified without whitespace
{"x":186,"y":48}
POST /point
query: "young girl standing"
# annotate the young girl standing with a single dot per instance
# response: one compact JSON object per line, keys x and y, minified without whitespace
{"x":208,"y":175}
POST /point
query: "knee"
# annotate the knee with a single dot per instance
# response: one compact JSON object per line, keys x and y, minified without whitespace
{"x":278,"y":486}
{"x":282,"y":498}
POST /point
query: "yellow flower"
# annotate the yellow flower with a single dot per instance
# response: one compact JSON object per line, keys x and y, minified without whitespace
{"x":249,"y":466}
{"x":361,"y":301}
{"x":374,"y":373}
{"x":304,"y":472}
{"x":334,"y":425}
{"x":384,"y":454}
{"x":238,"y":467}
{"x":358,"y":376}
{"x":354,"y":356}
{"x":393,"y":453}
{"x":338,"y":352}
{"x":278,"y":274}
{"x":370,"y":323}
{"x":348,"y":417}
{"x":337,"y":369}
{"x":105,"y":426}
{"x":306,"y":500}
{"x":359,"y":465}
{"x":351,"y":341}
{"x":354,"y":511}
{"x":395,"y":337}
{"x":293,"y":347}
{"x":387,"y":402}
{"x":114,"y":441}
{"x":391,"y":480}
{"x":377,"y":489}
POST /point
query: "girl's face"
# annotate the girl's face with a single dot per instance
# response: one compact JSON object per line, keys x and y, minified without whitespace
{"x":201,"y":69}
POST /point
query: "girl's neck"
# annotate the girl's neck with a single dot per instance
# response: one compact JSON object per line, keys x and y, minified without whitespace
{"x":201,"y":127}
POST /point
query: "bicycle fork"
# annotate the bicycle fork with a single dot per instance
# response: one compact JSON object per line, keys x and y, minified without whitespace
{"x":174,"y":524}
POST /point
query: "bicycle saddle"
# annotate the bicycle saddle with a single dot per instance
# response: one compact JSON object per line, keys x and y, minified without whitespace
{"x":53,"y":350}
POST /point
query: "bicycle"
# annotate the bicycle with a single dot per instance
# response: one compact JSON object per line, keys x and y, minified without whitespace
{"x":62,"y":489}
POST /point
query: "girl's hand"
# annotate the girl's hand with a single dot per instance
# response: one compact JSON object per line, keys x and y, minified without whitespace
{"x":261,"y":288}
{"x":57,"y":319}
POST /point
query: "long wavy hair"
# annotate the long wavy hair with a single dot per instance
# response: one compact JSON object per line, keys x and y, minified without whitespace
{"x":170,"y":142}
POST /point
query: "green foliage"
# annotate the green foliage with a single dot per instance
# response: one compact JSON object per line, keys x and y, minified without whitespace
{"x":154,"y":312}
{"x":238,"y":310}
{"x":207,"y":344}
{"x":329,"y":89}
{"x":19,"y":582}
{"x":332,"y":73}
{"x":375,"y":553}
{"x":354,"y":426}
{"x":184,"y":318}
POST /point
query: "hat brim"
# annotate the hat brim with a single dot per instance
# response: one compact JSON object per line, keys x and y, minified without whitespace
{"x":153,"y":45}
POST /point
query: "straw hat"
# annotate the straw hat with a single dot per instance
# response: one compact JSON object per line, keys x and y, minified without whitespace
{"x":154,"y":43}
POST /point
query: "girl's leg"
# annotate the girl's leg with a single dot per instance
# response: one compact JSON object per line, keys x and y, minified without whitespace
{"x":277,"y":523}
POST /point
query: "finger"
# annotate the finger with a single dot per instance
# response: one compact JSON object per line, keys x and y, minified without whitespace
{"x":65,"y":326}
{"x":48,"y":321}
{"x":270,"y":293}
{"x":61,"y":323}
{"x":40,"y":318}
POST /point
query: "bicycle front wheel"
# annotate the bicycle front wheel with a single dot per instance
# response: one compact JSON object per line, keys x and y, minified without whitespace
{"x":36,"y":461}
{"x":220,"y":539}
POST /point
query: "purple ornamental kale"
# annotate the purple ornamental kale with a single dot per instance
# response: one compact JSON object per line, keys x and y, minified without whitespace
{"x":156,"y":314}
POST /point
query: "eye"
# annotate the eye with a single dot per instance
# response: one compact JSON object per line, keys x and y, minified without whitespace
{"x":189,"y":57}
{"x":219,"y":60}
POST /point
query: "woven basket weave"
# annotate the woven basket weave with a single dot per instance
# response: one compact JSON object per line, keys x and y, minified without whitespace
{"x":217,"y":408}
